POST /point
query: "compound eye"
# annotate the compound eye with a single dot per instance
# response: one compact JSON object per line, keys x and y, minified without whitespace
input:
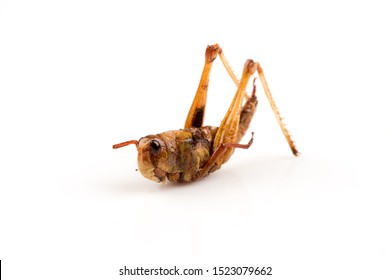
{"x":155,"y":147}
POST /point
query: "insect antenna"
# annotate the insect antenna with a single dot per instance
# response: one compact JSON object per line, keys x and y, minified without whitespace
{"x":123,"y":144}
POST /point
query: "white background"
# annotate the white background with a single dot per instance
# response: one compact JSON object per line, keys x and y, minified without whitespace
{"x":79,"y":76}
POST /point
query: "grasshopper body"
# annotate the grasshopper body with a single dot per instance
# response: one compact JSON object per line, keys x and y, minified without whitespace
{"x":194,"y":152}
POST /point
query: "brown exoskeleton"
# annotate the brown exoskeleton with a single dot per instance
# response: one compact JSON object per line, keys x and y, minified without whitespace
{"x":194,"y":152}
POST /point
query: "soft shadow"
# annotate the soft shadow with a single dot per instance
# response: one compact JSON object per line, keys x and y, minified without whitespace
{"x":143,"y":186}
{"x":260,"y":169}
{"x":266,"y":167}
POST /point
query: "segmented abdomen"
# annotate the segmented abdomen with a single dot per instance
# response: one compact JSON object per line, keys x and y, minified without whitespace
{"x":189,"y":150}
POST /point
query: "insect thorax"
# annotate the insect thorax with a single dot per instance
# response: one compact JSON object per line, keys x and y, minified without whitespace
{"x":188,"y":151}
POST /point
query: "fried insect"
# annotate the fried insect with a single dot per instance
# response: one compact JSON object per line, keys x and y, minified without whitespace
{"x":194,"y":152}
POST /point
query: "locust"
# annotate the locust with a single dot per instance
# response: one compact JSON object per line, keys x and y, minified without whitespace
{"x":192,"y":153}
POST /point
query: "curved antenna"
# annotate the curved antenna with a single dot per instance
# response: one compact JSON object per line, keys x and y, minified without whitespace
{"x":123,"y":144}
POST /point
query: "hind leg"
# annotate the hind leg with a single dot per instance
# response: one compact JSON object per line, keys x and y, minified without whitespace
{"x":225,"y":140}
{"x":196,"y":113}
{"x":230,"y":125}
{"x":237,"y":120}
{"x":276,"y":111}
